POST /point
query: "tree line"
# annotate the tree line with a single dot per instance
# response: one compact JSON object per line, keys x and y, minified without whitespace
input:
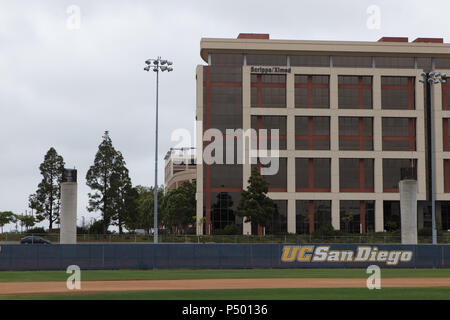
{"x":130,"y":207}
{"x":112,"y":195}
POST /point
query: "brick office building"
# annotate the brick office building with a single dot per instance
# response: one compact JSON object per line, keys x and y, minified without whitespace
{"x":350,"y":115}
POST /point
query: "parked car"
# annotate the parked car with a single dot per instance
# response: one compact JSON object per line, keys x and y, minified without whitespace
{"x":34,"y":240}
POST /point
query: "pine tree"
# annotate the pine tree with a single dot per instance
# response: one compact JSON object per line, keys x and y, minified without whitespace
{"x":47,"y":199}
{"x":109,"y":179}
{"x":121,"y":188}
{"x":254,"y":204}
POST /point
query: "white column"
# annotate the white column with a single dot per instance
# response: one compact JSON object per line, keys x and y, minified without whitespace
{"x":408,"y":211}
{"x":379,"y":216}
{"x":68,"y":217}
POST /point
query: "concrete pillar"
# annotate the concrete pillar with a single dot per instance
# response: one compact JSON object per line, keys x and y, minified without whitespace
{"x":291,"y":216}
{"x":68,"y":217}
{"x":408,"y":211}
{"x":335,"y":214}
{"x":379,"y":215}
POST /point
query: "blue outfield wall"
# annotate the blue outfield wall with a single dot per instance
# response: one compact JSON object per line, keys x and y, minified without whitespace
{"x":166,"y":256}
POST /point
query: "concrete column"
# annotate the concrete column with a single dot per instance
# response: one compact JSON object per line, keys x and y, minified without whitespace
{"x":291,"y":216}
{"x":379,"y":216}
{"x":335,"y":214}
{"x":408,"y":211}
{"x":68,"y":217}
{"x":246,"y":125}
{"x":199,"y":149}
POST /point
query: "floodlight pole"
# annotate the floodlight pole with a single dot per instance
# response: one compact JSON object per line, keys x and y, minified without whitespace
{"x":155,"y":197}
{"x":156,"y":65}
{"x":429,"y":79}
{"x":433,"y":181}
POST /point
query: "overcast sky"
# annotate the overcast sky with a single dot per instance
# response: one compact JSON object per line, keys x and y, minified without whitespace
{"x":63,"y":86}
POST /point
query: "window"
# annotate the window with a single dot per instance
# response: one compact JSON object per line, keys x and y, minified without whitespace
{"x":391,"y":215}
{"x":399,"y":134}
{"x":312,"y":91}
{"x":442,"y":63}
{"x":356,"y":175}
{"x":312,"y":133}
{"x":268,"y":123}
{"x":357,"y":216}
{"x":445,"y":215}
{"x":355,"y":92}
{"x":355,"y":133}
{"x":227,"y":59}
{"x":310,"y":61}
{"x":225,"y":175}
{"x":391,"y":172}
{"x":313,"y":175}
{"x":352,"y":62}
{"x":278,"y":181}
{"x":397,"y":93}
{"x":278,"y":223}
{"x":222,"y":98}
{"x":268,"y":91}
{"x":447,"y":175}
{"x":223,"y":210}
{"x":446,"y":133}
{"x":266,"y":60}
{"x":395,"y":62}
{"x":445,"y":96}
{"x":425,"y":64}
{"x":312,"y":214}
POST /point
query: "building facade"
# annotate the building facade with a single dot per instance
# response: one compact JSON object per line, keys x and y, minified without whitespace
{"x":179,"y":167}
{"x":349,"y":115}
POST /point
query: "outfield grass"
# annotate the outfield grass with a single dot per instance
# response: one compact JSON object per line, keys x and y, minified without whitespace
{"x":166,"y":274}
{"x":255,"y":294}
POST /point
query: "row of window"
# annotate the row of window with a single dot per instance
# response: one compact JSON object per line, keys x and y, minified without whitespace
{"x":424,"y":63}
{"x":355,"y":133}
{"x":314,"y":174}
{"x":313,"y":91}
{"x":355,"y":175}
{"x":355,"y":216}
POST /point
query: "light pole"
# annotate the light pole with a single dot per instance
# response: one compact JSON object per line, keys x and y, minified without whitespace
{"x":430,"y":79}
{"x":157,"y":65}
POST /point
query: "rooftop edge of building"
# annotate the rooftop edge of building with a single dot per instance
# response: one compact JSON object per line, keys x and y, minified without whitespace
{"x":262,"y":44}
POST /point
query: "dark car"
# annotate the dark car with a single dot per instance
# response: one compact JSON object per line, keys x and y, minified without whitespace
{"x":34,"y":240}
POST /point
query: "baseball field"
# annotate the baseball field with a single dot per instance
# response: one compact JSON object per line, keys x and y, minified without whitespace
{"x":226,"y":284}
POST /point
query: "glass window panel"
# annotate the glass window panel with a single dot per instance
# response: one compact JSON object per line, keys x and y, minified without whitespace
{"x":309,"y":61}
{"x":227,"y":59}
{"x":266,"y":60}
{"x":352,"y":61}
{"x":395,"y":62}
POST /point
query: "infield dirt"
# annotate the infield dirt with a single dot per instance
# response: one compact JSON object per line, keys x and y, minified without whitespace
{"x":12,"y":288}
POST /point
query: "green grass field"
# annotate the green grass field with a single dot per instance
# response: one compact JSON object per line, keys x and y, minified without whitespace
{"x":243,"y":294}
{"x":255,"y":294}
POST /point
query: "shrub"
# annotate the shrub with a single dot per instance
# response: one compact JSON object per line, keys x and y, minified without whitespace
{"x":326,"y":230}
{"x":232,"y":229}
